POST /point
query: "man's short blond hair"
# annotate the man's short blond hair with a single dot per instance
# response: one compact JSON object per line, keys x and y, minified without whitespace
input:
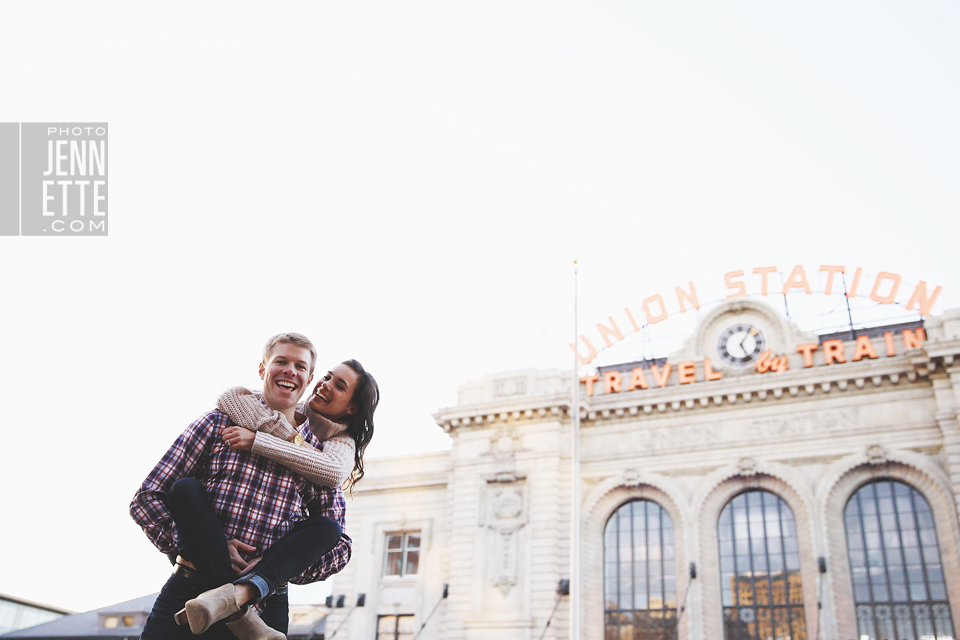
{"x":292,"y":338}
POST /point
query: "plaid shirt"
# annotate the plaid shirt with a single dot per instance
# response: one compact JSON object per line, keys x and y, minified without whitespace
{"x":256,"y":500}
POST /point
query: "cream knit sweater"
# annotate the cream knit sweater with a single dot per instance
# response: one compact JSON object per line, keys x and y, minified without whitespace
{"x":330,"y":467}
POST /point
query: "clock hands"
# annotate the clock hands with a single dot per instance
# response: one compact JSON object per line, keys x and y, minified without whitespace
{"x":740,"y":344}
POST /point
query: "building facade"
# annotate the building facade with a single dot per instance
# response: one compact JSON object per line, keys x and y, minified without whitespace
{"x":760,"y":482}
{"x":17,"y":613}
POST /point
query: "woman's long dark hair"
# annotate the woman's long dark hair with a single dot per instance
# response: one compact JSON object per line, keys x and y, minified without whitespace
{"x":366,"y":396}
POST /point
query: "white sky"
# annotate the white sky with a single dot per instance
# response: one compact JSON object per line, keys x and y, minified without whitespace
{"x":408,"y":184}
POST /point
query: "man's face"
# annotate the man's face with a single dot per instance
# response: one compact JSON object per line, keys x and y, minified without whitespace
{"x":285,"y":375}
{"x":333,"y":396}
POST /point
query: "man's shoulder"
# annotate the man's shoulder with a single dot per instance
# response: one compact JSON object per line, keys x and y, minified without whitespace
{"x":214,"y":415}
{"x":213,"y":419}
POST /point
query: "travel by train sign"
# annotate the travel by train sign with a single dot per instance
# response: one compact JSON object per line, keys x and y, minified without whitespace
{"x":829,"y":352}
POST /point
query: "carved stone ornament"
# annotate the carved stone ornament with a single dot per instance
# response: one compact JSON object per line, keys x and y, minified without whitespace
{"x":506,"y":550}
{"x":747,"y":467}
{"x":508,"y":503}
{"x":876,"y":454}
{"x":503,"y":447}
{"x":503,"y":515}
{"x":631,"y":477}
{"x":504,"y":583}
{"x":511,"y":387}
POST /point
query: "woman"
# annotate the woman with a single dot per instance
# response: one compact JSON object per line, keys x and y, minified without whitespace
{"x":340,"y":413}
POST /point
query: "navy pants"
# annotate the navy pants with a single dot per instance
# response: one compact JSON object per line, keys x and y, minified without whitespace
{"x":204,"y":545}
{"x":175,"y":593}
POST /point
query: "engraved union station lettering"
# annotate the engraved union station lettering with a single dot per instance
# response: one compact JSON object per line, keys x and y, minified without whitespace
{"x":676,"y":437}
{"x":803,"y":423}
{"x":672,"y":438}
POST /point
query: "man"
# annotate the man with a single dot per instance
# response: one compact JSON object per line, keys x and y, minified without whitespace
{"x":256,"y":501}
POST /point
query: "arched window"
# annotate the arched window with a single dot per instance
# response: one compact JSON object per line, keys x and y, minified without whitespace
{"x":640,"y":588}
{"x":760,"y":569}
{"x":898,"y":583}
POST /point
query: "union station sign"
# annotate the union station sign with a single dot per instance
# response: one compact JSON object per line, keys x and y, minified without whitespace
{"x":739,"y":338}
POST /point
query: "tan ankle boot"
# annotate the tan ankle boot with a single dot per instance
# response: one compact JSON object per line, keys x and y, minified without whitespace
{"x":252,"y":627}
{"x":208,"y":607}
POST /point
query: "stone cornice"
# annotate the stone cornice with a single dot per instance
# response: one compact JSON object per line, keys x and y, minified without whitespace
{"x":516,"y":409}
{"x":401,"y":487}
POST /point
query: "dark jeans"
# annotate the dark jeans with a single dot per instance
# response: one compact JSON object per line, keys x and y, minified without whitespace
{"x":289,"y":556}
{"x":175,"y":593}
{"x":204,"y":545}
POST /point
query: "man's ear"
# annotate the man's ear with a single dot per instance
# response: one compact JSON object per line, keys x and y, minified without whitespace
{"x":262,"y":370}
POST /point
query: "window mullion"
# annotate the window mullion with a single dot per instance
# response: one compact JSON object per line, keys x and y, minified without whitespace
{"x":906,"y":573}
{"x":783,"y":559}
{"x":923,"y":564}
{"x":619,"y":565}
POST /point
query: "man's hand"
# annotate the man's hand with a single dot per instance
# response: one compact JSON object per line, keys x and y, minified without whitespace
{"x":240,"y":565}
{"x":239,"y":439}
{"x":250,"y":566}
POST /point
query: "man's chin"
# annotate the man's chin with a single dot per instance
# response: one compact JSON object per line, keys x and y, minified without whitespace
{"x":281,"y":403}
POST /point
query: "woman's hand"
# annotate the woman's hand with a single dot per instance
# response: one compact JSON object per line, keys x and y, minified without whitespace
{"x":239,"y":439}
{"x":241,"y":566}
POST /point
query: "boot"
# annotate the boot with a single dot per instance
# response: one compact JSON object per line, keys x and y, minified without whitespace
{"x":252,"y":627}
{"x":208,"y":607}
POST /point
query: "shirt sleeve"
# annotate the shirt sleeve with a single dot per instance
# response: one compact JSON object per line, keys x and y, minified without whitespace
{"x":148,"y":508}
{"x":334,"y":507}
{"x":329,"y":467}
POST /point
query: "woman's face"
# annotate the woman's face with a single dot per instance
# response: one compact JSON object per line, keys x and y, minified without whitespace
{"x":333,"y":396}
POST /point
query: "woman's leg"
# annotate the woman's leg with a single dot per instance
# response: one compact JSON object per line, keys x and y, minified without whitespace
{"x":161,"y":626}
{"x":289,"y":556}
{"x":200,"y":533}
{"x":301,"y":547}
{"x":276,"y":612}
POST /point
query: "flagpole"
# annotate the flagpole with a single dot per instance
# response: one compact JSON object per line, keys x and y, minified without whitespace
{"x":575,"y":590}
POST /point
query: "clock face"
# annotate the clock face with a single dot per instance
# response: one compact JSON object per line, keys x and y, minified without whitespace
{"x":740,"y":344}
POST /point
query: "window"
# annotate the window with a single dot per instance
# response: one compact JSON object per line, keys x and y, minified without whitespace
{"x":760,"y":569}
{"x":114,"y":621}
{"x":639,"y":573}
{"x":403,"y":554}
{"x":898,"y":583}
{"x":16,"y":615}
{"x":395,"y":627}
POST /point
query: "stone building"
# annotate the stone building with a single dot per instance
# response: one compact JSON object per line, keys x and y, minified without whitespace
{"x":760,"y":482}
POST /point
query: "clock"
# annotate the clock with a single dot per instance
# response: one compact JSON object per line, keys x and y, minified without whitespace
{"x":740,"y":345}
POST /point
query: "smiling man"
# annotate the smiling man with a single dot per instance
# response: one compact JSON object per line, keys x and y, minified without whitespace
{"x":286,"y":370}
{"x":255,"y":501}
